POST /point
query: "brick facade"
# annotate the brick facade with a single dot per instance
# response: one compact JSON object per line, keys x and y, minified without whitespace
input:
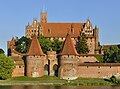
{"x":68,"y":64}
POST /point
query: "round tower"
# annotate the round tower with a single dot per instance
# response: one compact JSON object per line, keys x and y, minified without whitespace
{"x":35,"y":59}
{"x":68,"y":60}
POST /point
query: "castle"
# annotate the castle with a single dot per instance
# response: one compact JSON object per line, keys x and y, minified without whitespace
{"x":68,"y":64}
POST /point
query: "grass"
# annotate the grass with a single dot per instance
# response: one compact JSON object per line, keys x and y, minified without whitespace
{"x":52,"y":80}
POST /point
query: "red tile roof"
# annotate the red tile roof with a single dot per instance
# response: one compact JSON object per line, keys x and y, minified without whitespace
{"x":35,"y":48}
{"x":61,"y":29}
{"x":68,"y":47}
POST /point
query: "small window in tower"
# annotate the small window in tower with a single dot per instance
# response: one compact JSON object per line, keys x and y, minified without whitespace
{"x":49,"y":31}
{"x":72,"y":30}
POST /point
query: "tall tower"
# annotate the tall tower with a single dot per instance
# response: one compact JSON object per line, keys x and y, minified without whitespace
{"x":68,"y":60}
{"x":35,"y":59}
{"x":43,"y":17}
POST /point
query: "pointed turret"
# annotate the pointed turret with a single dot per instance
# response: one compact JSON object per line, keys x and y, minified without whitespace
{"x":13,"y":41}
{"x":68,"y":47}
{"x":35,"y":48}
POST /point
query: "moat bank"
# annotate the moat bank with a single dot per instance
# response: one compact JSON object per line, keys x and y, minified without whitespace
{"x":46,"y":80}
{"x":59,"y":87}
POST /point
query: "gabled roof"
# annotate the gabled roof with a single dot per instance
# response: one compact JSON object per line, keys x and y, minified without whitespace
{"x":68,"y":47}
{"x":35,"y":48}
{"x":61,"y":29}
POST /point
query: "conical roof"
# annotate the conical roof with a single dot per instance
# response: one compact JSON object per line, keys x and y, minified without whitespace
{"x":13,"y":41}
{"x":68,"y":47}
{"x":35,"y":48}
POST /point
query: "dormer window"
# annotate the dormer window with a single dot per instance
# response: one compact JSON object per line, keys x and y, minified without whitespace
{"x":49,"y":31}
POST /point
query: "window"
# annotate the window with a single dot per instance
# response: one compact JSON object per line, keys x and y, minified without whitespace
{"x":72,"y":30}
{"x":19,"y":66}
{"x":49,"y":31}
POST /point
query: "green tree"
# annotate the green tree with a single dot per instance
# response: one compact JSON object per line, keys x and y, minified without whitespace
{"x":6,"y":67}
{"x":57,"y":45}
{"x":23,"y":44}
{"x":45,"y":43}
{"x":81,"y":45}
{"x":2,"y":51}
{"x":112,"y":55}
{"x":48,"y":45}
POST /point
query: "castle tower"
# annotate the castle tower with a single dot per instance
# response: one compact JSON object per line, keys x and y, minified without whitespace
{"x":68,"y":60}
{"x":89,"y":32}
{"x":35,"y":59}
{"x":96,"y":36}
{"x":43,"y":17}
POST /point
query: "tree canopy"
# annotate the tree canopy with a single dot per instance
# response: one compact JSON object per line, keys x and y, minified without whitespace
{"x":48,"y":45}
{"x":112,"y":55}
{"x":22,"y":44}
{"x":81,"y":45}
{"x":6,"y":67}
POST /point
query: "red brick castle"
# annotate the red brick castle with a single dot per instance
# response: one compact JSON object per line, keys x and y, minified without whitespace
{"x":68,"y":64}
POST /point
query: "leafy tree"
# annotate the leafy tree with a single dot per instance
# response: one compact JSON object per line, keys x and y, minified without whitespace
{"x":22,"y":44}
{"x":45,"y":43}
{"x":2,"y":51}
{"x":57,"y":45}
{"x":6,"y":67}
{"x":81,"y":45}
{"x":112,"y":55}
{"x":48,"y":45}
{"x":100,"y":59}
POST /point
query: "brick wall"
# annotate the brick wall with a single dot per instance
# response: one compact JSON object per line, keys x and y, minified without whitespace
{"x":97,"y":71}
{"x":35,"y":64}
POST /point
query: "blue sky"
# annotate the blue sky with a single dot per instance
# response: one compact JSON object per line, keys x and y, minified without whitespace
{"x":15,"y":15}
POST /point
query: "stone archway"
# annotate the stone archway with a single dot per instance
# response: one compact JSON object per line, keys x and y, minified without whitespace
{"x":46,"y":69}
{"x":55,"y":69}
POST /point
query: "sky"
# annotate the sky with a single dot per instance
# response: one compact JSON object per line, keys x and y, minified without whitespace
{"x":15,"y":15}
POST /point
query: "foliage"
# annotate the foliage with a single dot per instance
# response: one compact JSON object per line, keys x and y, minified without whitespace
{"x":22,"y":44}
{"x":112,"y":55}
{"x":81,"y":46}
{"x":2,"y":51}
{"x":113,"y":79}
{"x":100,"y":59}
{"x":48,"y":45}
{"x":6,"y":67}
{"x":57,"y":45}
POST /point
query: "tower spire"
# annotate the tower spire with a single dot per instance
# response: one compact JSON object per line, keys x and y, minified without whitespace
{"x":43,"y":15}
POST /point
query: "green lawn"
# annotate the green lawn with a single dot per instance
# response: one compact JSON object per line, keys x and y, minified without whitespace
{"x":52,"y":80}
